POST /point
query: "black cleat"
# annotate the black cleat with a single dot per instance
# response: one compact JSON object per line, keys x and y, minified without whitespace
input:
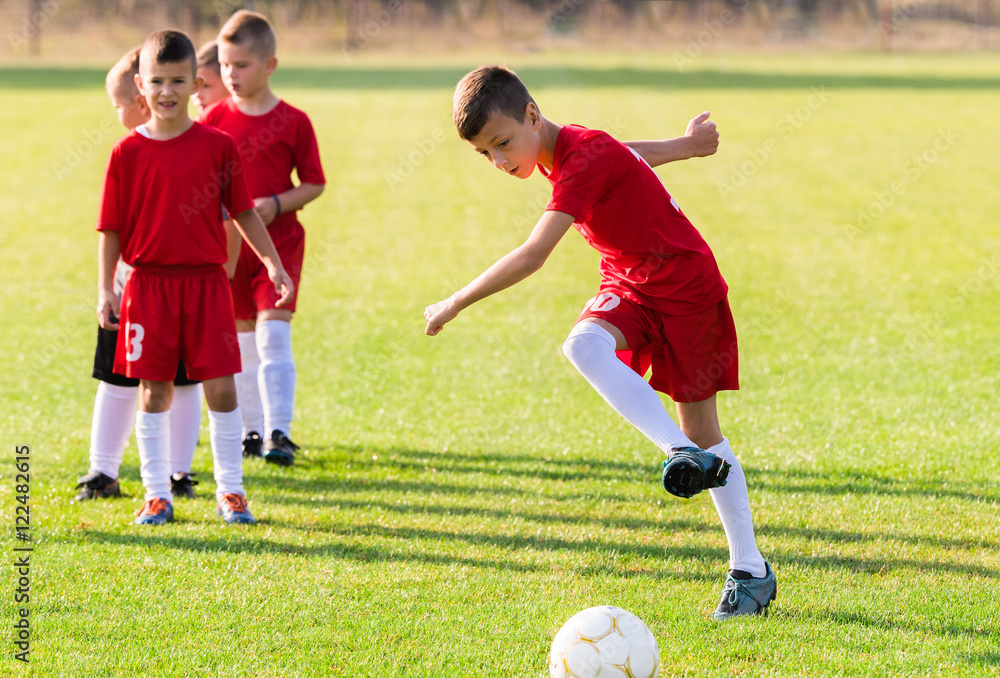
{"x":280,"y":450}
{"x":253,"y":445}
{"x":182,"y":485}
{"x":96,"y":485}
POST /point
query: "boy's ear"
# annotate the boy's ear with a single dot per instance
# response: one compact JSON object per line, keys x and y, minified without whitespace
{"x":270,"y":64}
{"x":138,"y":82}
{"x":199,"y":82}
{"x":532,"y":115}
{"x":140,"y":101}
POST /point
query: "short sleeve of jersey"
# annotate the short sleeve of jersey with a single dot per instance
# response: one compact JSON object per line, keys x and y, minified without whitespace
{"x":307,"y":164}
{"x":108,"y":218}
{"x":583,"y":177}
{"x":235,"y":195}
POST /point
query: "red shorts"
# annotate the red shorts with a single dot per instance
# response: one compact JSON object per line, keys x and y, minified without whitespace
{"x":171,"y":313}
{"x":693,"y":356}
{"x":253,"y":291}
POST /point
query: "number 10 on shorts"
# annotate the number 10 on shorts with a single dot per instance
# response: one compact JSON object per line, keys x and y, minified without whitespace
{"x":605,"y":301}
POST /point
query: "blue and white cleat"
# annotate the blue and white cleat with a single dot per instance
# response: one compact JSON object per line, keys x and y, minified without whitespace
{"x":155,"y":512}
{"x":233,"y":509}
{"x":746,"y":596}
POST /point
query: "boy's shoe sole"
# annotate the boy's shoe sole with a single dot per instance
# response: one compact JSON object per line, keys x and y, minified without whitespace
{"x":746,"y":596}
{"x":155,"y":512}
{"x":689,"y":470}
{"x":97,"y":486}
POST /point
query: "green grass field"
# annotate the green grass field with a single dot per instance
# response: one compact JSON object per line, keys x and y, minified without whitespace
{"x":459,"y":497}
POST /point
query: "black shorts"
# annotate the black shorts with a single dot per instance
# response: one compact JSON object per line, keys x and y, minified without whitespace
{"x":104,"y":362}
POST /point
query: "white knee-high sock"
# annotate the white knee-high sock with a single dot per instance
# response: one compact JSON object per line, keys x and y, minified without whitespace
{"x":185,"y":424}
{"x":277,"y":374}
{"x":247,"y":391}
{"x":733,"y":504}
{"x":227,"y":451}
{"x":114,"y":415}
{"x":152,"y":434}
{"x":591,"y":349}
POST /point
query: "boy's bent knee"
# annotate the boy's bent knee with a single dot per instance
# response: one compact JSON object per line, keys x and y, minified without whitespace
{"x":586,"y":342}
{"x":220,"y":394}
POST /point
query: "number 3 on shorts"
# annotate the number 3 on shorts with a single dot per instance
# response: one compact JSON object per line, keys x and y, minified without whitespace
{"x":605,"y":301}
{"x":135,"y":335}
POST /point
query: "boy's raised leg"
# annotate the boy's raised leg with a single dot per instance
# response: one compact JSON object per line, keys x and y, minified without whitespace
{"x":591,"y":349}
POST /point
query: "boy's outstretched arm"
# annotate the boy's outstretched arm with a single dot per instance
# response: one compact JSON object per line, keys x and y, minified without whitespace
{"x":293,"y":199}
{"x":511,"y":269}
{"x":255,"y":233}
{"x":701,"y":138}
{"x":108,"y":251}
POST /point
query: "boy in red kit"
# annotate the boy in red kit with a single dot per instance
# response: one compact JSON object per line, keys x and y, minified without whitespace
{"x":160,"y":212}
{"x":114,"y":405}
{"x":662,"y":301}
{"x":274,"y":139}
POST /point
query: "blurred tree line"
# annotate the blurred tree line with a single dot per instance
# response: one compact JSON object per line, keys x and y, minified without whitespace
{"x":359,"y":21}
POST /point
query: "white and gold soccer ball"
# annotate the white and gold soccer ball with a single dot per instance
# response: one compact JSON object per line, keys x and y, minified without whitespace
{"x":604,"y":642}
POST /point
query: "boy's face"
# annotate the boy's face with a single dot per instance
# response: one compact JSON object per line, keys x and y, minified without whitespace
{"x":511,"y":145}
{"x":167,"y":88}
{"x":211,"y":89}
{"x":131,"y":112}
{"x":244,"y":72}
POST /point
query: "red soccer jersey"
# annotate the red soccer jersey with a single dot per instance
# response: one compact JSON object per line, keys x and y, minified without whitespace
{"x":163,"y":197}
{"x":650,"y":252}
{"x":271,"y":145}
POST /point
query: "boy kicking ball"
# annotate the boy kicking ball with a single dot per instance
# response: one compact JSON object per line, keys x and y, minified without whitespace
{"x":662,"y":301}
{"x":160,"y":212}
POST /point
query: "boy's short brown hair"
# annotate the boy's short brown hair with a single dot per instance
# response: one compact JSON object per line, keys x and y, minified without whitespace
{"x":120,"y":81}
{"x":208,"y":55}
{"x":169,"y":47}
{"x":485,"y":91}
{"x":251,"y":29}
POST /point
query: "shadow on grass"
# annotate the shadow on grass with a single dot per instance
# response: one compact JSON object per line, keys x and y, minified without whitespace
{"x":346,"y":550}
{"x":884,"y":623}
{"x":863,"y":482}
{"x":444,"y":78}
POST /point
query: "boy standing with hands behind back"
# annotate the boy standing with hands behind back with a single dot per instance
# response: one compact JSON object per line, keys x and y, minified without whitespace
{"x":160,"y":212}
{"x":274,"y":139}
{"x":662,"y":301}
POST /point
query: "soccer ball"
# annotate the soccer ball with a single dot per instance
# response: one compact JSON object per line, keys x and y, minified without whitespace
{"x":604,"y":642}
